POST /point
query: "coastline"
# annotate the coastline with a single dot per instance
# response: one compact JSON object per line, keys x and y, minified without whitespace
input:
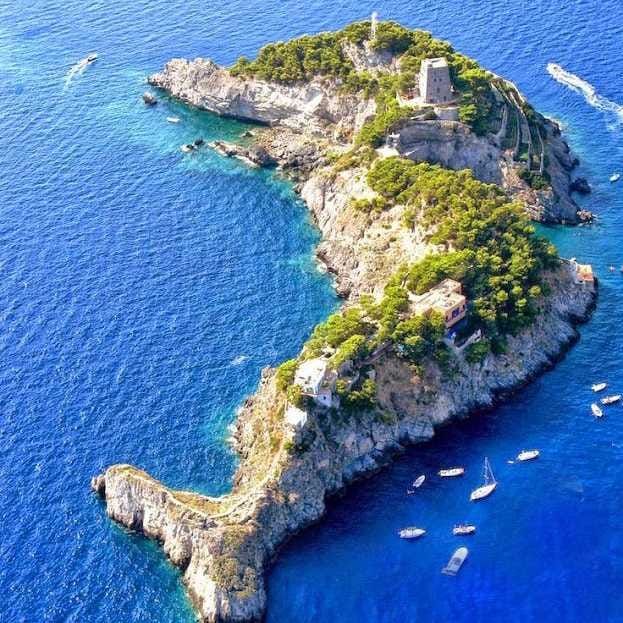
{"x":223,"y":545}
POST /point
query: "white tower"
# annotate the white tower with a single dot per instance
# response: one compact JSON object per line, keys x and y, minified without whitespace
{"x":373,"y":23}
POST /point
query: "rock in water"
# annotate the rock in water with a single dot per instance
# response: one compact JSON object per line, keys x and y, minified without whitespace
{"x":580,"y":185}
{"x":149,"y":99}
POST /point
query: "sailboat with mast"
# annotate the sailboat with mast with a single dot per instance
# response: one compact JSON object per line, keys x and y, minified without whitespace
{"x":489,"y":486}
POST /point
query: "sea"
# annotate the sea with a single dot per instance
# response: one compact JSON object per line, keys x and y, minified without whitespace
{"x":143,"y":290}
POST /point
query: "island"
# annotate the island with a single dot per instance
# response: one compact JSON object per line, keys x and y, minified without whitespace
{"x":422,"y":172}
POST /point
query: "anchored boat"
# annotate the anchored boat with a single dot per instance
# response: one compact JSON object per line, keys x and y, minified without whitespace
{"x":463,"y":528}
{"x":615,"y":177}
{"x":608,"y":400}
{"x":417,"y":483}
{"x":489,"y":486}
{"x":528,"y":455}
{"x":455,"y":563}
{"x":411,"y":533}
{"x":451,"y":473}
{"x":597,"y":387}
{"x":596,"y":409}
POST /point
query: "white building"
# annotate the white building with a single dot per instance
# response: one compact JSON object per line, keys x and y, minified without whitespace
{"x":316,"y":380}
{"x":435,"y":83}
{"x":295,"y":417}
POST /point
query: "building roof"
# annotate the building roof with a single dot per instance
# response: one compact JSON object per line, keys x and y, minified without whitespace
{"x":295,"y":416}
{"x":435,"y":63}
{"x":585,"y":272}
{"x":310,"y":374}
{"x":444,"y":296}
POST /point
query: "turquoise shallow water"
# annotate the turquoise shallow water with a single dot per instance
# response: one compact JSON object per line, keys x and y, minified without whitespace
{"x":141,"y":293}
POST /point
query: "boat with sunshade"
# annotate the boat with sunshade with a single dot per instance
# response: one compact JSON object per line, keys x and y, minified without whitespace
{"x":488,"y":487}
{"x":452,"y":472}
{"x":609,"y":400}
{"x":456,"y":562}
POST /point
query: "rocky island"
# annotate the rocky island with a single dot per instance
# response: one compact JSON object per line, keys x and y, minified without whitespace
{"x":421,"y":171}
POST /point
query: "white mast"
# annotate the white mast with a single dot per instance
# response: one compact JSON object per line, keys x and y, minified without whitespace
{"x":373,"y":23}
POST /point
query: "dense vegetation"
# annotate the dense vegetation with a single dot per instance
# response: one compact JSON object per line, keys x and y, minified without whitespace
{"x":490,"y":246}
{"x":323,"y":55}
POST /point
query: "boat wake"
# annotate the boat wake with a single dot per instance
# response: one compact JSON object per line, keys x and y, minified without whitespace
{"x":586,"y":89}
{"x":78,"y":69}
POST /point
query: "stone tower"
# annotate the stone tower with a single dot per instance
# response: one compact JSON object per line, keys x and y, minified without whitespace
{"x":435,"y":84}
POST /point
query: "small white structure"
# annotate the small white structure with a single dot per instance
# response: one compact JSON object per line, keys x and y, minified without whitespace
{"x":316,"y":380}
{"x":295,"y":417}
{"x":435,"y":83}
{"x":374,"y":20}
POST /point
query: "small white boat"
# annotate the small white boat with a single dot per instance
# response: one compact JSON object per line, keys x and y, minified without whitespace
{"x":456,"y":562}
{"x":451,"y":473}
{"x":598,"y":387}
{"x":173,"y":119}
{"x":596,"y":409}
{"x":489,"y":486}
{"x":411,"y":533}
{"x":528,"y":455}
{"x":461,"y":529}
{"x":91,"y":58}
{"x":187,"y":148}
{"x":615,"y":177}
{"x":608,"y":400}
{"x":419,"y":481}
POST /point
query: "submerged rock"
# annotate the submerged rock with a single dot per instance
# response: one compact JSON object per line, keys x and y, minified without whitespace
{"x":580,"y":185}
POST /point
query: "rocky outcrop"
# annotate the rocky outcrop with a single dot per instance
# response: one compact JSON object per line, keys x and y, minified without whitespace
{"x":315,"y":105}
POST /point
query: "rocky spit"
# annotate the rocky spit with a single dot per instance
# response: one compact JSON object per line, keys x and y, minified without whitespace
{"x":286,"y":474}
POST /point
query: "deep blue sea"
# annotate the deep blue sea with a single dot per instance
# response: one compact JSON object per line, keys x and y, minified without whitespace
{"x":142,"y":291}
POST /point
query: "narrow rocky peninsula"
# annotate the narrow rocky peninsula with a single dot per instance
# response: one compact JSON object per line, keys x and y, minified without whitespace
{"x":421,"y":171}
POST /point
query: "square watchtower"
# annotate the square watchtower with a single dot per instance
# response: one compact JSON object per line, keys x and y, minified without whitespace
{"x":435,"y":83}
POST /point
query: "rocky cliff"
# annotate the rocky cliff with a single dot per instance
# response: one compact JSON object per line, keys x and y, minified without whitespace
{"x":288,"y":471}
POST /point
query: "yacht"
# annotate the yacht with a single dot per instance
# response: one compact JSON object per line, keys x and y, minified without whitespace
{"x":528,"y":455}
{"x":488,"y":487}
{"x":462,"y":529}
{"x":411,"y":533}
{"x":451,"y":473}
{"x":608,"y":400}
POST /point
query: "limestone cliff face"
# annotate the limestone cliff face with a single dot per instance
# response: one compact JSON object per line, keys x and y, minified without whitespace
{"x":319,"y":108}
{"x":315,"y":105}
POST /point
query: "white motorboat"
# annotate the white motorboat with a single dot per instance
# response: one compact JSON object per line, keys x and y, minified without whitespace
{"x":456,"y":562}
{"x":488,"y":487}
{"x":528,"y":455}
{"x":608,"y":400}
{"x":91,"y":58}
{"x":452,"y":472}
{"x":462,"y":529}
{"x":419,"y":481}
{"x":411,"y":533}
{"x":615,"y":177}
{"x":596,"y":409}
{"x":173,"y":119}
{"x":598,"y":387}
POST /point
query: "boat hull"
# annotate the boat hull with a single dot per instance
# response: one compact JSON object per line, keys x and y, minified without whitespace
{"x":482,"y":492}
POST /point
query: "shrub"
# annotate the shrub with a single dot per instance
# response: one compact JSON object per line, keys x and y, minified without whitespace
{"x":285,"y":374}
{"x":475,"y":353}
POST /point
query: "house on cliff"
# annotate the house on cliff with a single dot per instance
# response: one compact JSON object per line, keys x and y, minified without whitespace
{"x":446,"y":298}
{"x":316,"y":380}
